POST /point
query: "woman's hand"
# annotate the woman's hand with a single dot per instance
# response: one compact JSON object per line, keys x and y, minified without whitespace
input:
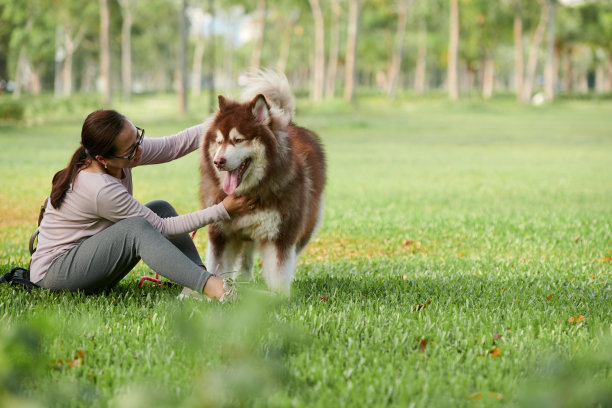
{"x":235,"y":205}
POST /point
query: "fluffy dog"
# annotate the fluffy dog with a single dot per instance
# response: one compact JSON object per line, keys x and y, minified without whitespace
{"x":254,"y":148}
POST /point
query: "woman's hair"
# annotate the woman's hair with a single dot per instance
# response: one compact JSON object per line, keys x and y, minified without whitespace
{"x":98,"y":135}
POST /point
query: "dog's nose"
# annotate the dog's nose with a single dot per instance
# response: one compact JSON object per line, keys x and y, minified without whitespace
{"x":220,"y":162}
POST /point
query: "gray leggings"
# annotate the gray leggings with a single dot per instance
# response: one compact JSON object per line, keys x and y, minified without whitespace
{"x":101,"y":261}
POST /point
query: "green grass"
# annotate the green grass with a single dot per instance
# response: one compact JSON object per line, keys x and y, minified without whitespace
{"x":458,"y":241}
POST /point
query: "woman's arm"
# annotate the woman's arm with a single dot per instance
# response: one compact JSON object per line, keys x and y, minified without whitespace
{"x":114,"y":203}
{"x":168,"y":148}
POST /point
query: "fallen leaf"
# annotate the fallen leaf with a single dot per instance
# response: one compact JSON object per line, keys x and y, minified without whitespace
{"x":405,"y":277}
{"x":460,"y":255}
{"x":496,"y":395}
{"x":497,"y":336}
{"x":408,"y":242}
{"x":605,"y":259}
{"x":324,"y":298}
{"x":495,"y":352}
{"x":422,"y":345}
{"x":571,"y":320}
{"x":550,"y":296}
{"x":579,"y":318}
{"x":418,"y":308}
{"x":475,"y":396}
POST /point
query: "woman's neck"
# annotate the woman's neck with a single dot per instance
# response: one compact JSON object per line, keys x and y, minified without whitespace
{"x":95,"y":167}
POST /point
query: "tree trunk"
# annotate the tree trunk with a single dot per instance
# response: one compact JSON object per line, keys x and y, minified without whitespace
{"x":334,"y":41}
{"x":488,"y":76}
{"x":196,"y":70}
{"x":421,"y":63}
{"x":532,"y":61}
{"x":351,"y":50}
{"x":398,"y":48}
{"x":318,"y":72}
{"x":260,"y":26}
{"x":283,"y":54}
{"x":60,"y":54}
{"x":568,"y":74}
{"x":453,"y":51}
{"x":518,"y":51}
{"x":21,"y":74}
{"x":550,"y":77}
{"x":609,"y":81}
{"x":126,"y":50}
{"x":105,"y":50}
{"x":181,"y":80}
{"x":70,"y":47}
{"x":35,"y":84}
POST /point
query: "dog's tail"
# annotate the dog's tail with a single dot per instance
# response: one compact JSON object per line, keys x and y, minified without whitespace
{"x":275,"y":87}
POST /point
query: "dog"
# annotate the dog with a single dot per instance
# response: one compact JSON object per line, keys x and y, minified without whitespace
{"x":253,"y":148}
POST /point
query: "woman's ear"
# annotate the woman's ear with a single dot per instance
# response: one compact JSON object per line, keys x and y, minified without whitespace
{"x":101,"y":160}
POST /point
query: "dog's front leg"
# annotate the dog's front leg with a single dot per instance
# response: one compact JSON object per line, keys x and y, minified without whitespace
{"x":278,"y":266}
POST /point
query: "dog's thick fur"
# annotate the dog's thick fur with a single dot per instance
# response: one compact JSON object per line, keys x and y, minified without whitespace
{"x":263,"y":154}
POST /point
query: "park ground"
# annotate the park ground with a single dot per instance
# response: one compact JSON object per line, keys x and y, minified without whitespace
{"x":464,"y":260}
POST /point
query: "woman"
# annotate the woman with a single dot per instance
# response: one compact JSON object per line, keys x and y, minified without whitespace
{"x":94,"y":232}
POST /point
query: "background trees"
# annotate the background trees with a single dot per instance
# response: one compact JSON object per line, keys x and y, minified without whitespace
{"x":468,"y":47}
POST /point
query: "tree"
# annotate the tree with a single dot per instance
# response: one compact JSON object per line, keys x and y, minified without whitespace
{"x":334,"y":42}
{"x":318,"y":71}
{"x":182,"y":61}
{"x":105,"y":50}
{"x":550,"y":69}
{"x":351,"y":49}
{"x":126,"y":47}
{"x":453,"y":51}
{"x":398,"y":48}
{"x":259,"y":31}
{"x":532,"y":61}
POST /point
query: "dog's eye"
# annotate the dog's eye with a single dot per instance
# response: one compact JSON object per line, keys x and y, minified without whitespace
{"x":237,"y":141}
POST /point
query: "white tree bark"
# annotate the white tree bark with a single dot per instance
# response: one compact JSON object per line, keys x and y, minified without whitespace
{"x":318,"y":70}
{"x":398,"y":47}
{"x":105,"y":50}
{"x":534,"y":49}
{"x":518,"y":51}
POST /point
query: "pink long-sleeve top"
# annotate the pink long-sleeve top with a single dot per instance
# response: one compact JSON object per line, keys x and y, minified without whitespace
{"x":96,"y":201}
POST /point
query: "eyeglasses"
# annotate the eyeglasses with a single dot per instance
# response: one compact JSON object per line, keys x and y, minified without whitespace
{"x":135,"y":149}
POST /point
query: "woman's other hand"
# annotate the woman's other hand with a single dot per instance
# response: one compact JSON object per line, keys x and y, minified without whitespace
{"x":235,"y":204}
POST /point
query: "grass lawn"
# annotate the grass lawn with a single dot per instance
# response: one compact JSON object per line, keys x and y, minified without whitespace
{"x":464,"y":260}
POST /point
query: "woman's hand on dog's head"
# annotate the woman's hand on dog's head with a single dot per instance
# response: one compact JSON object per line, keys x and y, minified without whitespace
{"x":235,"y":204}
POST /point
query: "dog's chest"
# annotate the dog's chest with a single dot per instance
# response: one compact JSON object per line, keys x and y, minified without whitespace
{"x":261,"y":225}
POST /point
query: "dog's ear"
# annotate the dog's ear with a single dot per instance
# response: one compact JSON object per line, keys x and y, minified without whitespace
{"x":260,"y":109}
{"x":222,"y":102}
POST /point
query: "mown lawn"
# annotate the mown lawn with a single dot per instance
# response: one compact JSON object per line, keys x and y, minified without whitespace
{"x":464,"y":260}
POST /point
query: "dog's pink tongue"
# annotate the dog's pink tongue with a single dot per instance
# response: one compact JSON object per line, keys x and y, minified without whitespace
{"x":231,"y":181}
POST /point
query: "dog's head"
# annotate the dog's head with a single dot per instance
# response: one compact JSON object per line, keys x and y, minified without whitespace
{"x":237,"y":143}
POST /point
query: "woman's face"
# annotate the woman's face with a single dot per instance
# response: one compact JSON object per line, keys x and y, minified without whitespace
{"x":128,"y":144}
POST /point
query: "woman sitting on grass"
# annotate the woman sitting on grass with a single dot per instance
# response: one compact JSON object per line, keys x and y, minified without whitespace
{"x":94,"y":232}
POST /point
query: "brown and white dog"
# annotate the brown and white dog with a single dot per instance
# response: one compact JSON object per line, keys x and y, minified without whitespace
{"x":254,"y":148}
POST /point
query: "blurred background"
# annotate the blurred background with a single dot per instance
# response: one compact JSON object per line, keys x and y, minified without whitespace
{"x":532,"y":50}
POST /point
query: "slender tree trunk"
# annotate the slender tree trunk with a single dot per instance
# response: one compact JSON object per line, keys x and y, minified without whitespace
{"x":453,"y":51}
{"x":351,"y":50}
{"x":283,"y":54}
{"x":334,"y":42}
{"x":21,"y":74}
{"x":105,"y":50}
{"x":126,"y":50}
{"x":70,"y":47}
{"x":421,"y":63}
{"x":532,"y":61}
{"x":609,"y":81}
{"x":488,"y":76}
{"x":60,"y":54}
{"x":398,"y":48}
{"x":260,"y":33}
{"x":196,"y":71}
{"x":182,"y":62}
{"x":568,"y":74}
{"x":550,"y":77}
{"x":518,"y":51}
{"x":318,"y":72}
{"x":35,"y":84}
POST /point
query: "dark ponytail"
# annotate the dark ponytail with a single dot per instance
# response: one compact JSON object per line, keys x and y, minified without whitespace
{"x":98,"y":135}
